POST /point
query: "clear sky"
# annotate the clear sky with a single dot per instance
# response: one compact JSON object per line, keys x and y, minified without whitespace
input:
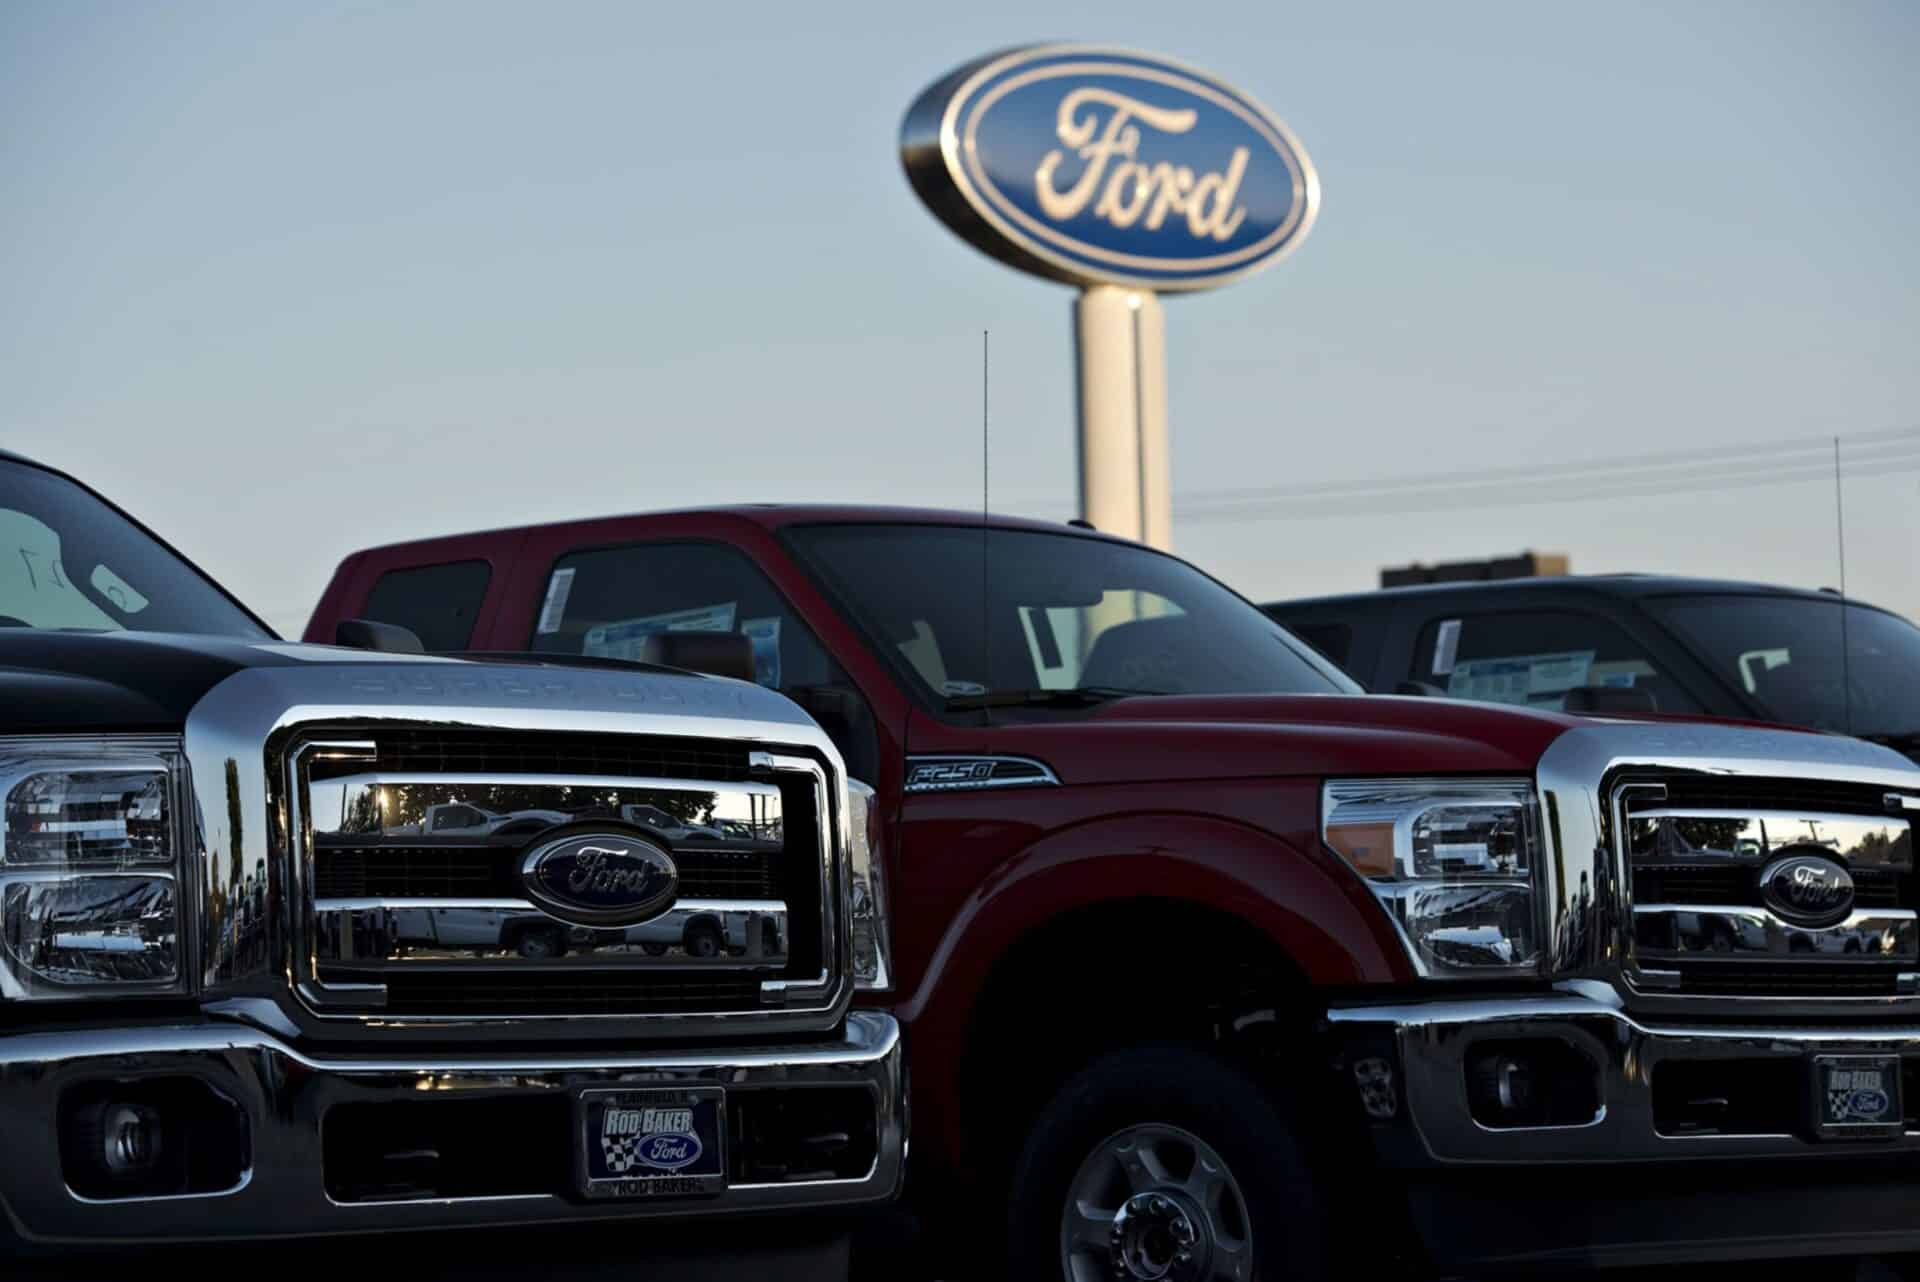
{"x":289,"y":279}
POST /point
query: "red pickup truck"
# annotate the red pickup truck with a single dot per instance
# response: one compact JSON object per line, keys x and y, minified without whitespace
{"x":1212,"y":966}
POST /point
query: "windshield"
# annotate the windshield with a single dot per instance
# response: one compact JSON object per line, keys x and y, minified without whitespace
{"x":1785,"y":653}
{"x":984,"y":618}
{"x":68,"y":560}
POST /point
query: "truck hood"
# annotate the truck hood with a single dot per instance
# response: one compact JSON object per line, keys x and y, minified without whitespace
{"x":1173,"y":737}
{"x":80,"y":682}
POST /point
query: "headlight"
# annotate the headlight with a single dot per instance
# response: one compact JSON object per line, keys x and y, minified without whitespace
{"x":89,"y":871}
{"x":872,"y":941}
{"x":1453,"y":862}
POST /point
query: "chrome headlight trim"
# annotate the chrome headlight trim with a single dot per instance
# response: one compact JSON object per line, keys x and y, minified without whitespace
{"x":868,"y":921}
{"x":1456,"y":864}
{"x":158,"y":889}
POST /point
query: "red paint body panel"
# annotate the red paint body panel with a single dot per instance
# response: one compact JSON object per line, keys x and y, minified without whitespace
{"x":1209,"y":800}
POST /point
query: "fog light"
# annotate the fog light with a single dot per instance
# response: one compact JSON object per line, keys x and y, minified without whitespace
{"x":132,"y":1140}
{"x":120,"y":1140}
{"x":1532,"y":1083}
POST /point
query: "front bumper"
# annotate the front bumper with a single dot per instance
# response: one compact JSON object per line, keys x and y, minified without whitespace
{"x":1648,"y":1176}
{"x":286,"y":1096}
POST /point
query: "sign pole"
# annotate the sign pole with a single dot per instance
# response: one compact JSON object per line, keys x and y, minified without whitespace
{"x":1120,"y":346}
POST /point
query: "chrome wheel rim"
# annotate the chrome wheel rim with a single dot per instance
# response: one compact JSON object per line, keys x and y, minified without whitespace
{"x":1155,"y":1203}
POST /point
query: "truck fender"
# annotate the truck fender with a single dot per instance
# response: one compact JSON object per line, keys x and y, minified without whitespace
{"x":1319,"y":916}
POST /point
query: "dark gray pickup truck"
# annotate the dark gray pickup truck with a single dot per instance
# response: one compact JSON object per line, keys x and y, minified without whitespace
{"x":1632,"y":643}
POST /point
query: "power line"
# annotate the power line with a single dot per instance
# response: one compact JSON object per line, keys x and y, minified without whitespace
{"x":1776,"y":452}
{"x":1441,"y":501}
{"x":1705,"y":476}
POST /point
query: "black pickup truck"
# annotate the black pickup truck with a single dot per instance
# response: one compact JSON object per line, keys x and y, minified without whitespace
{"x":310,"y":940}
{"x":1632,"y":643}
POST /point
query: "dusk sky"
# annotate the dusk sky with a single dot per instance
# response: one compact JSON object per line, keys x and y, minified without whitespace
{"x":288,"y":280}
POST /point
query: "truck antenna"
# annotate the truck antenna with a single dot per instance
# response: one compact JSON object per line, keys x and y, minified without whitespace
{"x":986,"y":608}
{"x":1840,"y":530}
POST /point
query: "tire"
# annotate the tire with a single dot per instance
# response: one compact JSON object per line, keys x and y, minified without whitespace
{"x":703,"y":939}
{"x":1122,"y":1126}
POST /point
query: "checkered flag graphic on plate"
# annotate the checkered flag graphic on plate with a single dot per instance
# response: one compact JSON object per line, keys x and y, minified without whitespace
{"x":621,"y":1151}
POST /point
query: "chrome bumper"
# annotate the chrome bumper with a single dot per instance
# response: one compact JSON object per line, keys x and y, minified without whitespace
{"x":286,"y":1094}
{"x":1425,"y":1048}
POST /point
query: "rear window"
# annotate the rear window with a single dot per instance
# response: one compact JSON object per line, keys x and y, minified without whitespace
{"x":440,"y":604}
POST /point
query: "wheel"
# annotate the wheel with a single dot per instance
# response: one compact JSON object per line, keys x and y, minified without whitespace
{"x":702,"y":939}
{"x":1164,"y":1165}
{"x":538,"y":944}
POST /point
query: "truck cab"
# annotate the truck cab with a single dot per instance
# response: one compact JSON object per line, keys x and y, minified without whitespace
{"x":1193,"y":940}
{"x":1632,"y":642}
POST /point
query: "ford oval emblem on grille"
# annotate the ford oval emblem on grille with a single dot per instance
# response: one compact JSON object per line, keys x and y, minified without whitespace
{"x":1808,"y":889}
{"x":600,"y":878}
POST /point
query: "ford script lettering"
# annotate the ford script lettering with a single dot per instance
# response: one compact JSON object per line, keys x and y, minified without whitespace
{"x":661,"y":1139}
{"x":1808,"y":889}
{"x":1099,"y":166}
{"x":600,"y":879}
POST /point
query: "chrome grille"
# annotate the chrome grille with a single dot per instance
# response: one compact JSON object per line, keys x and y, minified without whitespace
{"x":1695,"y":852}
{"x":411,"y":899}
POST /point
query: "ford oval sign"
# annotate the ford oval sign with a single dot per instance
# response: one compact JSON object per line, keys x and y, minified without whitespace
{"x":1808,"y":889}
{"x":600,"y":878}
{"x":1103,"y":166}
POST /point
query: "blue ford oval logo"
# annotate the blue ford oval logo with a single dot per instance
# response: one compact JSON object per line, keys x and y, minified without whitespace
{"x":1807,"y":889}
{"x":1095,"y":165}
{"x":600,"y":878}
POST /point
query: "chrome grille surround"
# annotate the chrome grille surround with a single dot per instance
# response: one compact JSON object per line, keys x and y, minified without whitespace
{"x":1588,"y":777}
{"x":253,"y":744}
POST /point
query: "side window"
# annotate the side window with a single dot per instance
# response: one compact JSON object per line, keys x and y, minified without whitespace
{"x":1544,"y":659}
{"x":439,"y":603}
{"x":605,"y":603}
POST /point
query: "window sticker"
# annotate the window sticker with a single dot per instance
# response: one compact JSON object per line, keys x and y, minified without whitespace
{"x":559,"y":588}
{"x":764,"y":633}
{"x":117,"y":590}
{"x":1446,"y":647}
{"x":623,"y":638}
{"x":1527,"y":679}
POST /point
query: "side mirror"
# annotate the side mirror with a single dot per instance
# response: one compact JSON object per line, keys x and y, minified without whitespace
{"x":369,"y":634}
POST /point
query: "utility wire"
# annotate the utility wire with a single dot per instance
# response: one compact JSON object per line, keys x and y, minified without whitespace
{"x":1707,"y":476}
{"x":1456,"y":499}
{"x":1719,"y":456}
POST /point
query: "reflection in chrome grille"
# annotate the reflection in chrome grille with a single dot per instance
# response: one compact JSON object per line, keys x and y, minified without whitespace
{"x":417,"y":903}
{"x":1705,"y":875}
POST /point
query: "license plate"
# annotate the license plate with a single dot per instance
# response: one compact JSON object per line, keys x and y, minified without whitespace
{"x":1856,"y":1096}
{"x":651,"y":1143}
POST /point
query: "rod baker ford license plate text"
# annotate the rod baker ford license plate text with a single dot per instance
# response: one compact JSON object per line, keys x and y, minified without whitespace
{"x":651,"y":1143}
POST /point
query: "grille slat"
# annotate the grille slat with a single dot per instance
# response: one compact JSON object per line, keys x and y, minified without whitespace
{"x":572,"y":993}
{"x":433,"y":872}
{"x":631,"y":756}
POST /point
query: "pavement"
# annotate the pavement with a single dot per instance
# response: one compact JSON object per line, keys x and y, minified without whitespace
{"x":636,"y":1250}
